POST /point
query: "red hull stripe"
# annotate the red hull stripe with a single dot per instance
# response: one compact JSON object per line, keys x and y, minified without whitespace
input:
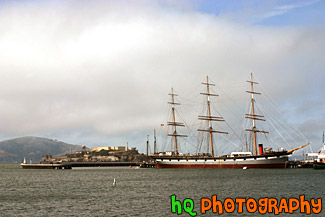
{"x":280,"y":165}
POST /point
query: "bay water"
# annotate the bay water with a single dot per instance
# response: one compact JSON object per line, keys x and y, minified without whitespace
{"x":145,"y":192}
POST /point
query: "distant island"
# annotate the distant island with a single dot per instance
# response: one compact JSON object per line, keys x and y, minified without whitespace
{"x":30,"y":147}
{"x":99,"y":154}
{"x":49,"y":150}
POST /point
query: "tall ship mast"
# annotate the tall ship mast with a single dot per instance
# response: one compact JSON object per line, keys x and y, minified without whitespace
{"x":252,"y":159}
{"x":209,"y":118}
{"x":254,"y":117}
{"x":174,"y":134}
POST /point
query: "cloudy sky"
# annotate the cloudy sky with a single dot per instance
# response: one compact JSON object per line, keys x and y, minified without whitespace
{"x":98,"y":72}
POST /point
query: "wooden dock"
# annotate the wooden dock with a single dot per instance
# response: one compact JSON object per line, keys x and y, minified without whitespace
{"x":70,"y":165}
{"x":101,"y":164}
{"x":45,"y":166}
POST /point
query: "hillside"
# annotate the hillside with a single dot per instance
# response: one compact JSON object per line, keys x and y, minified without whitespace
{"x":14,"y":150}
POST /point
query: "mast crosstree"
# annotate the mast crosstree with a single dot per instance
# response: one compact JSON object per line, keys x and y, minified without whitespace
{"x":209,"y":117}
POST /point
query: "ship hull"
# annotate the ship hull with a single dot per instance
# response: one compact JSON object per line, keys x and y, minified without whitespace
{"x":262,"y":162}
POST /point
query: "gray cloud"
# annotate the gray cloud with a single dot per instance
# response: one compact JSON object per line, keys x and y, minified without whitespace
{"x":99,"y":71}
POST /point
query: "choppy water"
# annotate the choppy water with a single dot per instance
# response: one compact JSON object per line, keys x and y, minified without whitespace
{"x":144,"y":192}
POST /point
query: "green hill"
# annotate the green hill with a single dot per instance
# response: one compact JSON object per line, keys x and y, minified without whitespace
{"x":14,"y":150}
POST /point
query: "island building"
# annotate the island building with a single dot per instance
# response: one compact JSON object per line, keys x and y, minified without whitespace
{"x":112,"y":148}
{"x":99,"y":154}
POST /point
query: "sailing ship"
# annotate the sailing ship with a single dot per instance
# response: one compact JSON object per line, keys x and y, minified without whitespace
{"x":258,"y":159}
